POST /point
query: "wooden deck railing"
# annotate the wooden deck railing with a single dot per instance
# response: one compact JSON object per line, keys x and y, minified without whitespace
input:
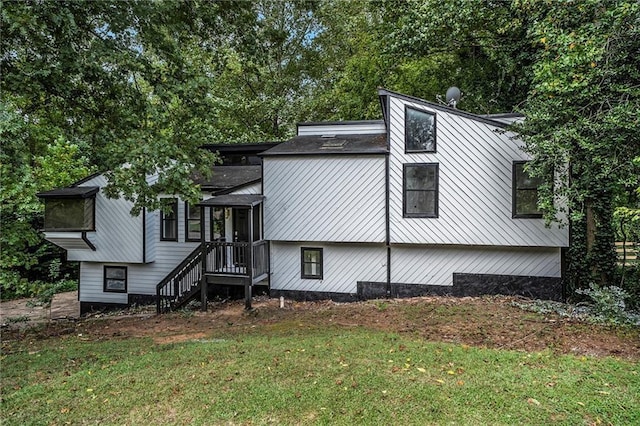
{"x":222,"y":258}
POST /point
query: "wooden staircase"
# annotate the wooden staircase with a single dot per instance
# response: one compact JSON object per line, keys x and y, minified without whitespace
{"x":182,"y":284}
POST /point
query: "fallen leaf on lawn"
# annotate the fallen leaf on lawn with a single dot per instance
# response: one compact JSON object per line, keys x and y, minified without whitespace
{"x":604,"y":393}
{"x":533,"y":401}
{"x":440,"y":381}
{"x":64,"y":410}
{"x":460,"y":382}
{"x":89,"y":390}
{"x":580,"y":403}
{"x":451,"y":372}
{"x":422,"y":370}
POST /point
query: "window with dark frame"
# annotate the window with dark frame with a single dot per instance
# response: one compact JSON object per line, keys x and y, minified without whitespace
{"x":525,"y":193}
{"x":115,"y":279}
{"x":311,"y":265}
{"x":192,"y":222}
{"x":419,"y":130}
{"x":69,"y":214}
{"x":420,"y":190}
{"x":169,"y":221}
{"x":217,"y":224}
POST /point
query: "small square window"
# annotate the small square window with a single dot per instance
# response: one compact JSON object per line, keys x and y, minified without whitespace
{"x":192,"y":222}
{"x":420,"y":187}
{"x":169,"y":221}
{"x":115,"y":279}
{"x":525,"y":192}
{"x":311,"y":267}
{"x":419,"y":130}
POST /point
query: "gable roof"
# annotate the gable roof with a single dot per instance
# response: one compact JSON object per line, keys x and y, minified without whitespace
{"x":487,"y":119}
{"x":331,"y":145}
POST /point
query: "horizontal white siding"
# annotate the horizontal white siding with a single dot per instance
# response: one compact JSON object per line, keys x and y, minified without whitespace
{"x":356,"y":128}
{"x":436,"y":265}
{"x":325,"y":198}
{"x":162,"y":257}
{"x":118,"y":236}
{"x":344,"y":265}
{"x":475,"y":186}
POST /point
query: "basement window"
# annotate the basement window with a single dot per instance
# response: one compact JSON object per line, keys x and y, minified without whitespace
{"x":115,"y":279}
{"x":311,"y":267}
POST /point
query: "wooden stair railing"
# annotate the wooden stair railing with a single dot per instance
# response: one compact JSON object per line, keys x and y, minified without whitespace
{"x":181,"y":284}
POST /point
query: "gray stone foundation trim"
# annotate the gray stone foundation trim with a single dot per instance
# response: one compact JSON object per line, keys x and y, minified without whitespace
{"x":546,"y":288}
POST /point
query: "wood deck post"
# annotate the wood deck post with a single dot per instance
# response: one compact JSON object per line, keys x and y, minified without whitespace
{"x":203,"y":271}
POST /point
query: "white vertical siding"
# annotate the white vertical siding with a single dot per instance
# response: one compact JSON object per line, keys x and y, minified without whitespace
{"x":325,"y":198}
{"x":343,"y":266}
{"x":118,"y":235}
{"x":475,"y":186}
{"x":436,"y":265}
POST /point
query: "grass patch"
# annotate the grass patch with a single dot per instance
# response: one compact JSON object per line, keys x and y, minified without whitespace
{"x":299,"y":374}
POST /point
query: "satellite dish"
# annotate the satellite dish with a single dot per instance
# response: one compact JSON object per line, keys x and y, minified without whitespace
{"x":453,"y":96}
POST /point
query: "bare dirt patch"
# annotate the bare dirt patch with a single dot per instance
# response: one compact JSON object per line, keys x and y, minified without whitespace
{"x":491,"y":322}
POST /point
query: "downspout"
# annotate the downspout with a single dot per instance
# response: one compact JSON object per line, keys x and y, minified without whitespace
{"x":144,"y":235}
{"x":385,"y":103}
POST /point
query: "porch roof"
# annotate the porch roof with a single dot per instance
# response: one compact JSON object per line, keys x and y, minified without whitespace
{"x":233,"y":200}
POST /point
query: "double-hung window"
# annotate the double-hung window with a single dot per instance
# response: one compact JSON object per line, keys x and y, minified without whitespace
{"x":420,"y":190}
{"x":169,"y":220}
{"x":311,"y":265}
{"x":525,"y":192}
{"x":192,"y":222}
{"x":115,"y":279}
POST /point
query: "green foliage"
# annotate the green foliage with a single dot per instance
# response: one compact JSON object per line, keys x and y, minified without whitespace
{"x":608,"y":305}
{"x":25,"y":257}
{"x":583,"y":112}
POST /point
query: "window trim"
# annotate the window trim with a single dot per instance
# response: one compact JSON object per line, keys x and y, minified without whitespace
{"x":514,"y":192}
{"x":187,"y":219}
{"x":162,"y":219}
{"x":91,"y":228}
{"x":406,"y":132}
{"x":104,"y":279}
{"x":436,"y":191}
{"x":320,"y":263}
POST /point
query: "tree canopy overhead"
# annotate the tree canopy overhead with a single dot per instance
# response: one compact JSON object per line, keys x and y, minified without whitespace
{"x":91,"y":86}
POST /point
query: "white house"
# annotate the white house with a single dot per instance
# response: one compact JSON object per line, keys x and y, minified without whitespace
{"x":430,"y":200}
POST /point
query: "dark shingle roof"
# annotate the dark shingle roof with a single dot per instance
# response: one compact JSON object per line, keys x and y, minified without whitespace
{"x":335,"y":144}
{"x":233,"y":200}
{"x":72,"y":192}
{"x":227,"y":178}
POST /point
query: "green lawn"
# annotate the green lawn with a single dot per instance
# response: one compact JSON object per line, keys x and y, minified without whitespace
{"x":300,"y":375}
